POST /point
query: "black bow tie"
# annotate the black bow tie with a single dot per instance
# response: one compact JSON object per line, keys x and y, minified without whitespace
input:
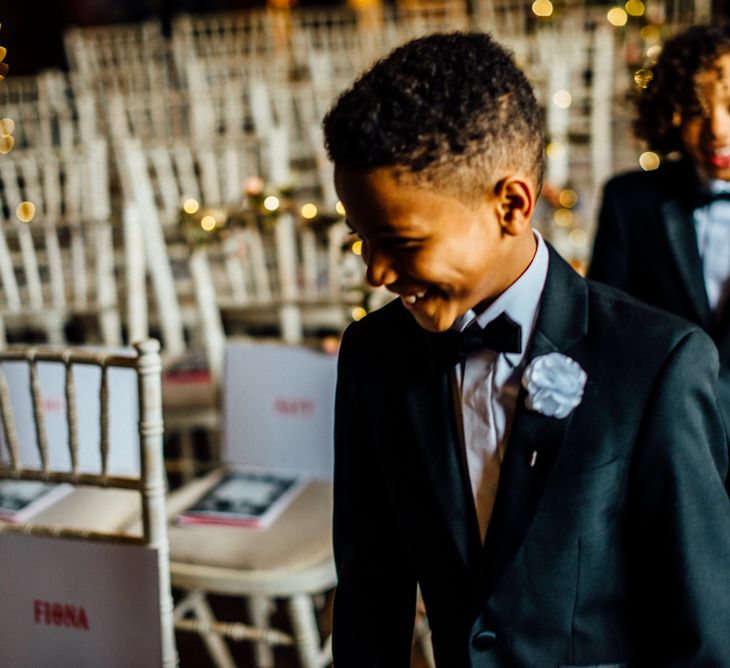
{"x":502,"y":335}
{"x":702,"y":198}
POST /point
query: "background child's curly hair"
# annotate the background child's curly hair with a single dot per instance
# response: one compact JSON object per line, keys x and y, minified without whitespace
{"x":450,"y":109}
{"x":671,"y":96}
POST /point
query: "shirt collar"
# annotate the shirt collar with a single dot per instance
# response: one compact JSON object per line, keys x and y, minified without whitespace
{"x":711,"y":185}
{"x":520,"y":301}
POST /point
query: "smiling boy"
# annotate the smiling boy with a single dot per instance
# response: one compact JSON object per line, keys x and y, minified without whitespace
{"x":664,"y":236}
{"x":542,"y":455}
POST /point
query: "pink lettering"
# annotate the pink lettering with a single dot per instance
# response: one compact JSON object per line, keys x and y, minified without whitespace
{"x":294,"y":406}
{"x":54,"y":404}
{"x":60,"y":614}
{"x":57,"y":614}
{"x":37,"y":610}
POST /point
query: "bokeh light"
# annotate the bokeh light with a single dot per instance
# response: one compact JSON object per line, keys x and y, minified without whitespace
{"x":253,"y":185}
{"x":653,"y":52}
{"x":340,"y":208}
{"x":617,"y":17}
{"x":562,"y":99}
{"x":357,"y":247}
{"x":649,"y":161}
{"x":578,"y":238}
{"x":542,"y":8}
{"x":650,"y":34}
{"x":191,"y":205}
{"x":309,"y":211}
{"x":25,"y":211}
{"x":643,"y":77}
{"x":208,"y":223}
{"x":555,"y":150}
{"x":568,"y":198}
{"x":6,"y":144}
{"x":271,"y":203}
{"x":358,"y":313}
{"x":635,"y":7}
{"x":563,"y":217}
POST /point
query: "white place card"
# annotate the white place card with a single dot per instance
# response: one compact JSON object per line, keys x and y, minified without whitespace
{"x":278,"y":403}
{"x":76,"y":603}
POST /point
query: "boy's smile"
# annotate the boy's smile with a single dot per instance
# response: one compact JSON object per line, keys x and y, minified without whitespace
{"x":441,"y":256}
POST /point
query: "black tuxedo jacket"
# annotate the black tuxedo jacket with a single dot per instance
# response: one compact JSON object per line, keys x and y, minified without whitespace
{"x":646,"y":245}
{"x":612,"y":550}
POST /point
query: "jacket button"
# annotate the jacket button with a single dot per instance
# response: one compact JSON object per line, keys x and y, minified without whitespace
{"x":484,"y":640}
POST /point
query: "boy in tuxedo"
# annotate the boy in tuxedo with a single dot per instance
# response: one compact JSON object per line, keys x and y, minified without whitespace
{"x":664,"y":236}
{"x":544,"y":456}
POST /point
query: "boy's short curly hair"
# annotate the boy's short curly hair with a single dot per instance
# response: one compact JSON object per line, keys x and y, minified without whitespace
{"x":671,"y":94}
{"x":450,"y":109}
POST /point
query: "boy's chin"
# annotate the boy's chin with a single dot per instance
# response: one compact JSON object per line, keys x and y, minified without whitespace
{"x":434,"y":323}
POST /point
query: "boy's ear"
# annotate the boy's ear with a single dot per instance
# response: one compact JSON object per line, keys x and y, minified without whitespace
{"x":515,"y":200}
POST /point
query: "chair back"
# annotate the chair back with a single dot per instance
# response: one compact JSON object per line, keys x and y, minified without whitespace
{"x":75,"y":586}
{"x":56,"y":242}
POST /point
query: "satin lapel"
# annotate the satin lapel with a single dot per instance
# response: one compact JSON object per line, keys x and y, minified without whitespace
{"x":535,"y":439}
{"x":682,"y":239}
{"x":431,"y":406}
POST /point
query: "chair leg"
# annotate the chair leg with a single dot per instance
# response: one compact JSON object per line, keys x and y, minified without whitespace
{"x":259,"y":609}
{"x":217,"y":647}
{"x":306,"y":631}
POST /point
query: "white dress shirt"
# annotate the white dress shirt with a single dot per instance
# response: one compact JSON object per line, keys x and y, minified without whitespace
{"x":488,"y":383}
{"x":712,"y":226}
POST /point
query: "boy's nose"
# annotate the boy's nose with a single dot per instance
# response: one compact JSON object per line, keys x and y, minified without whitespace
{"x":380,"y":269}
{"x":719,"y":125}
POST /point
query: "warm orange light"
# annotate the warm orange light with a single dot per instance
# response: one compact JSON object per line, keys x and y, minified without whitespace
{"x":542,"y":8}
{"x":25,"y":211}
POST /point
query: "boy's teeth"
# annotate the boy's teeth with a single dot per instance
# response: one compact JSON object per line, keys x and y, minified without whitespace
{"x":411,"y":299}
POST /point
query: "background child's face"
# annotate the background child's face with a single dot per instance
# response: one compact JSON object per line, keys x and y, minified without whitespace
{"x":441,"y":256}
{"x":706,"y":136}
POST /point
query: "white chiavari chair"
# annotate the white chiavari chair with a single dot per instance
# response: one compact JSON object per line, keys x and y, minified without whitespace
{"x":118,"y":57}
{"x":102,"y":502}
{"x":291,"y":560}
{"x":46,"y":113}
{"x":56,"y":242}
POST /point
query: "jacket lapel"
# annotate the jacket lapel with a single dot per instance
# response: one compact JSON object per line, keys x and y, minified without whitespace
{"x":682,"y":238}
{"x":535,"y":438}
{"x":683,"y":244}
{"x":431,"y":407}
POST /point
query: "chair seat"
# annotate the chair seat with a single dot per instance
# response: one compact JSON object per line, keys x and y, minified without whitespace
{"x":93,"y":509}
{"x":298,"y":539}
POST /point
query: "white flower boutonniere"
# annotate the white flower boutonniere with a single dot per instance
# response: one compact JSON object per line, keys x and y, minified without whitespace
{"x":554,"y":384}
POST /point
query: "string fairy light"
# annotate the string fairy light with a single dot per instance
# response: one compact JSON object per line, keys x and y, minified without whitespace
{"x":308,"y":211}
{"x":542,"y":8}
{"x":617,"y":17}
{"x":271,"y":203}
{"x":25,"y":211}
{"x":649,"y":161}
